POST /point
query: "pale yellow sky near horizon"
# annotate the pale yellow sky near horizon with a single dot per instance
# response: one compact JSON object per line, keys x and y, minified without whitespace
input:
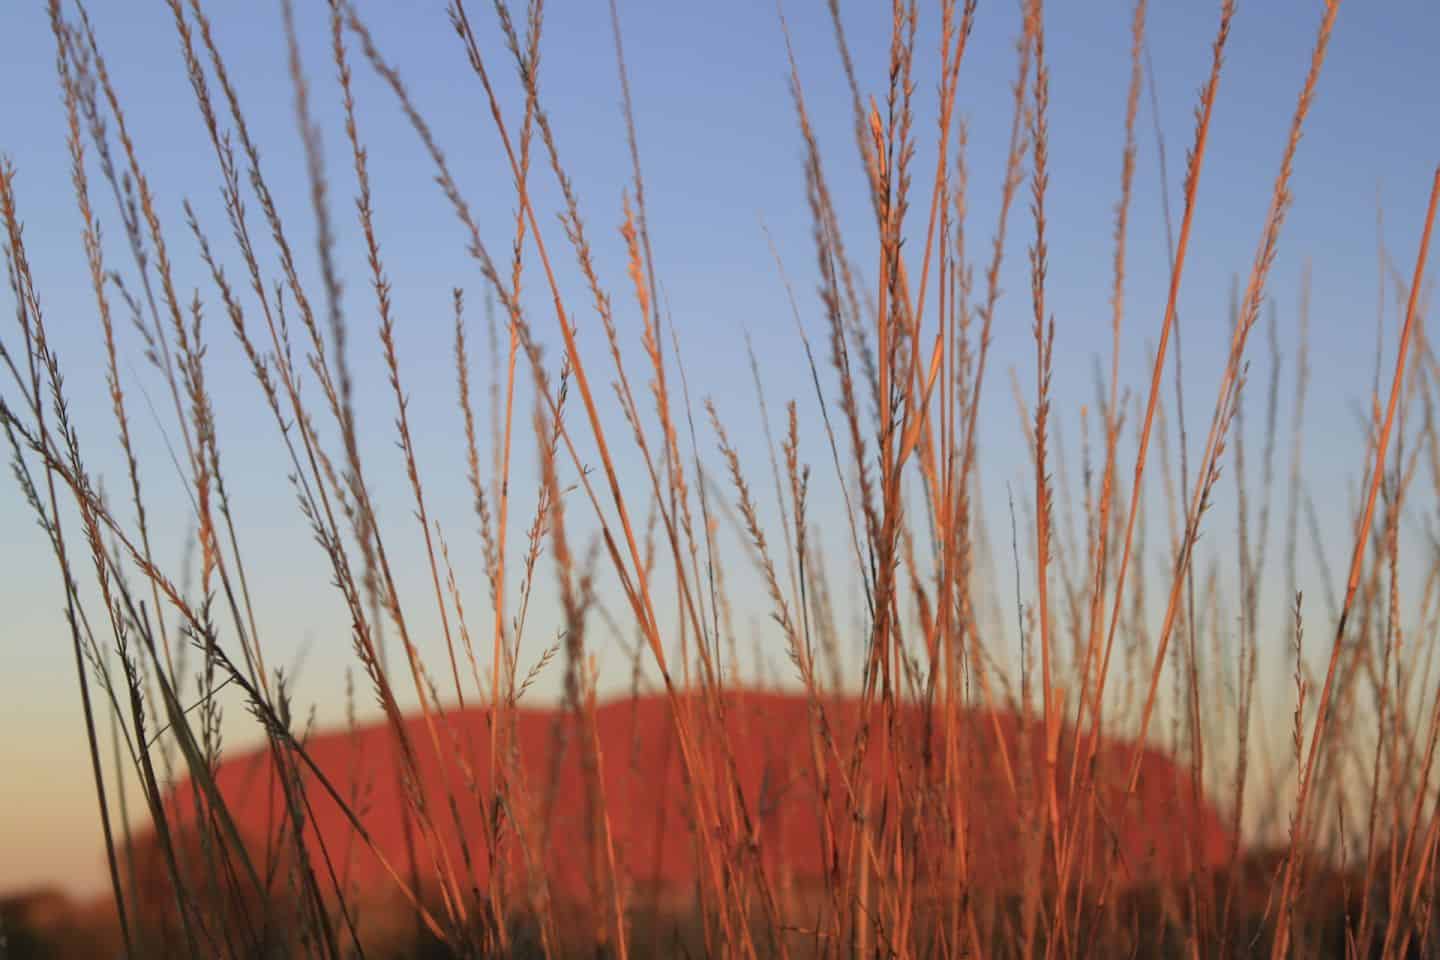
{"x":49,"y":825}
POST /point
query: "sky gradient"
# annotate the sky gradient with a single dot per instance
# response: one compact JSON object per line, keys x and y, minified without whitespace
{"x":722,"y":155}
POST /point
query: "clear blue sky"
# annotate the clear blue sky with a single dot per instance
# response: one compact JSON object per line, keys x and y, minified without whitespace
{"x":721,"y":154}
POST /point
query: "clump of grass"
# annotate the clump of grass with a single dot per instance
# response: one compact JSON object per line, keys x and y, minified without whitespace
{"x":892,"y":749}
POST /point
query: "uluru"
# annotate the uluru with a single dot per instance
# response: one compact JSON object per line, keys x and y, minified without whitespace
{"x":794,"y":812}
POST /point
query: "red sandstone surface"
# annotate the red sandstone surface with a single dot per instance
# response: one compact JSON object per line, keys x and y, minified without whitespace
{"x":769,"y":738}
